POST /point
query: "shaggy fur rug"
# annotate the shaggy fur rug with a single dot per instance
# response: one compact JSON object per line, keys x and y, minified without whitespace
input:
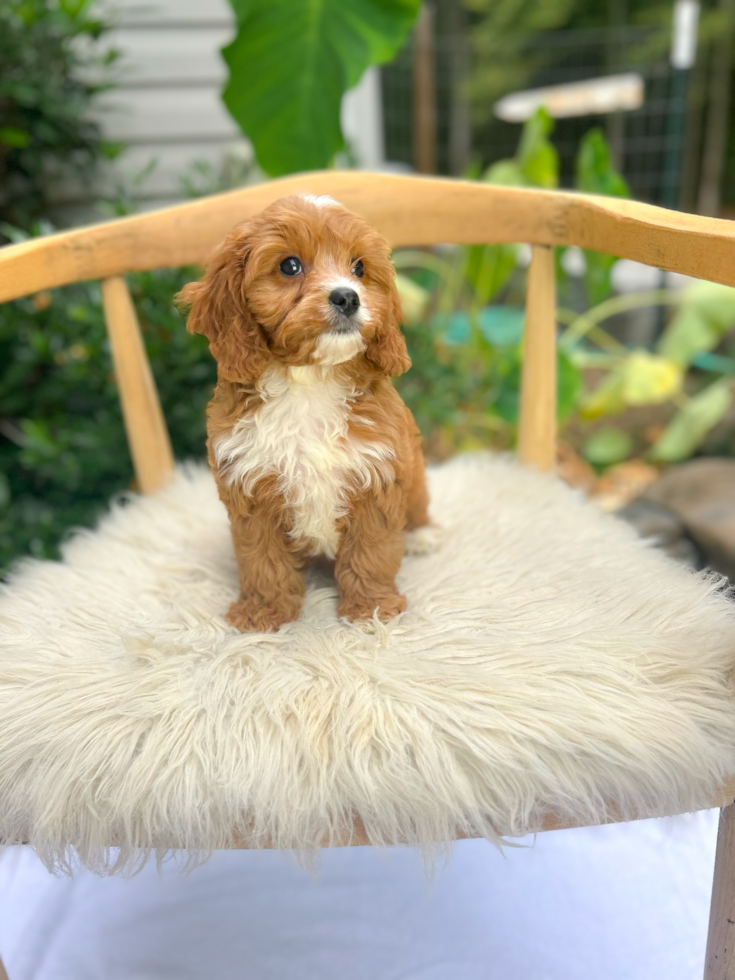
{"x":549,"y":660}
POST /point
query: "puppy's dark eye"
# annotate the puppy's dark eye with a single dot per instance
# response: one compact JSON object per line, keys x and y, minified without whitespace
{"x":291,"y":266}
{"x":358,"y":269}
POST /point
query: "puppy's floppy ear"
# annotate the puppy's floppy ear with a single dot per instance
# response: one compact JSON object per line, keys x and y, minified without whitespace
{"x":218,"y":309}
{"x":387,"y":349}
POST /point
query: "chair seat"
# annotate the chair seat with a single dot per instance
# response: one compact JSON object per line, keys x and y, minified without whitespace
{"x":549,"y":662}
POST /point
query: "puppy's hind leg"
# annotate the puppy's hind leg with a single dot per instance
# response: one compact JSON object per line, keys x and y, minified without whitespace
{"x":417,"y":499}
{"x":422,"y":537}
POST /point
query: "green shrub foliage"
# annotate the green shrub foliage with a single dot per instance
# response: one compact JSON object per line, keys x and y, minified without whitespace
{"x":63,"y":452}
{"x":52,"y":68}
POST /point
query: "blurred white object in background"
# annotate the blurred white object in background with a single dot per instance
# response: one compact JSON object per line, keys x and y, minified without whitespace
{"x":684,"y":36}
{"x":573,"y":261}
{"x":614,"y":93}
{"x":362,"y":121}
{"x":631,"y":277}
{"x":626,"y":275}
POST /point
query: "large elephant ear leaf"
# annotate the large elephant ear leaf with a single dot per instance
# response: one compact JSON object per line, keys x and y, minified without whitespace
{"x":292,"y":61}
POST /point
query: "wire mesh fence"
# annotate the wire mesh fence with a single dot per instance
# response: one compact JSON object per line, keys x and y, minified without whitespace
{"x":646,"y":143}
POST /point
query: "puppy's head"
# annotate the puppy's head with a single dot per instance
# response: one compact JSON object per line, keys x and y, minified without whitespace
{"x":303,"y":282}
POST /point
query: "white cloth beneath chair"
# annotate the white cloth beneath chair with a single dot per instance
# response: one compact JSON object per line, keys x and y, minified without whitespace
{"x":548,"y":659}
{"x":624,"y":902}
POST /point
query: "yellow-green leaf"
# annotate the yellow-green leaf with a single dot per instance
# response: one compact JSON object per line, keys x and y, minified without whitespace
{"x":607,"y":446}
{"x":690,"y":425}
{"x":640,"y":379}
{"x":606,"y":399}
{"x":705,"y":315}
{"x":649,"y":380}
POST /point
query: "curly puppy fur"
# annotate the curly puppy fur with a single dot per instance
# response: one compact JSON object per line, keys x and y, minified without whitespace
{"x":314,"y":453}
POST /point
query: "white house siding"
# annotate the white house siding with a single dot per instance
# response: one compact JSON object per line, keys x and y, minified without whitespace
{"x":166,"y":104}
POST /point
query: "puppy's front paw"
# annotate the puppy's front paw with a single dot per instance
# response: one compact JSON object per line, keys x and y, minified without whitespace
{"x":252,"y":617}
{"x":361,"y":610}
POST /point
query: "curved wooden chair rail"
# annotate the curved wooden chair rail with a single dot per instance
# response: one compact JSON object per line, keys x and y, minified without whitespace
{"x":408,"y":211}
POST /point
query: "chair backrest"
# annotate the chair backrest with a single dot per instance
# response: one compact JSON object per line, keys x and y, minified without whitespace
{"x":407,"y":211}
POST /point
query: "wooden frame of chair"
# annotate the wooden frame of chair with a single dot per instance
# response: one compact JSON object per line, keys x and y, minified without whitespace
{"x":408,"y":211}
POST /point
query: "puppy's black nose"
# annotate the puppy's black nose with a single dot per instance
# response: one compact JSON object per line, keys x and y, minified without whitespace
{"x":345,"y":299}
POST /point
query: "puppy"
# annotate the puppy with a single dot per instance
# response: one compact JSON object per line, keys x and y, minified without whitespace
{"x":313,"y":450}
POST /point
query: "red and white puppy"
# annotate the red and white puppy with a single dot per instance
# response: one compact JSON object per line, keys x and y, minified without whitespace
{"x":313,"y":450}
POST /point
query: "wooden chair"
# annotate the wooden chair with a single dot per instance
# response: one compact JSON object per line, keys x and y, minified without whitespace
{"x":408,"y":211}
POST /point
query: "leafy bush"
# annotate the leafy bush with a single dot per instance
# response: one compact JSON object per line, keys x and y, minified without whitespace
{"x":464,"y":384}
{"x":63,"y":452}
{"x":681,"y":371}
{"x":48,"y":53}
{"x":689,"y":378}
{"x":536,"y":164}
{"x":472,"y":354}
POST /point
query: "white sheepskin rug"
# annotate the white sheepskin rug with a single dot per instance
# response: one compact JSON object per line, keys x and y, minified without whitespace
{"x":548,"y":661}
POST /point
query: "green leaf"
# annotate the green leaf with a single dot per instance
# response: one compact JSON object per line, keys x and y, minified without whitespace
{"x":537,"y":158}
{"x":536,"y":163}
{"x":502,"y":326}
{"x":597,"y":276}
{"x":12,"y":136}
{"x":499,"y":326}
{"x":488,"y":268}
{"x":507,"y":405}
{"x":607,"y":398}
{"x":595,"y":173}
{"x":692,"y":423}
{"x":568,"y":389}
{"x":649,"y":380}
{"x":705,"y":315}
{"x":506,"y":172}
{"x":73,"y":8}
{"x":569,"y":386}
{"x":5,"y":493}
{"x":640,"y":379}
{"x":607,"y":447}
{"x":715,"y":363}
{"x":292,"y":61}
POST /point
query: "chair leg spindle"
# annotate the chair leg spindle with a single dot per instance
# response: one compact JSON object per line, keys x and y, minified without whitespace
{"x":145,"y":425}
{"x":719,"y":961}
{"x":537,"y":425}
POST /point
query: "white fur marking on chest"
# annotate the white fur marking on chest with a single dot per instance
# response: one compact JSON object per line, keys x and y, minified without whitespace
{"x":300,"y":433}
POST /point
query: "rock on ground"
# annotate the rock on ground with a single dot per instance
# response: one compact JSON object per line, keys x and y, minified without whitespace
{"x":701,"y":493}
{"x":653,"y":520}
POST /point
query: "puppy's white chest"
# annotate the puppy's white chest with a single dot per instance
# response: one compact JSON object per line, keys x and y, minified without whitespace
{"x":301,"y":434}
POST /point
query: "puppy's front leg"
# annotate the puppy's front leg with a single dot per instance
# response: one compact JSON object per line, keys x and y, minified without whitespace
{"x":369,"y":557}
{"x":271,"y":587}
